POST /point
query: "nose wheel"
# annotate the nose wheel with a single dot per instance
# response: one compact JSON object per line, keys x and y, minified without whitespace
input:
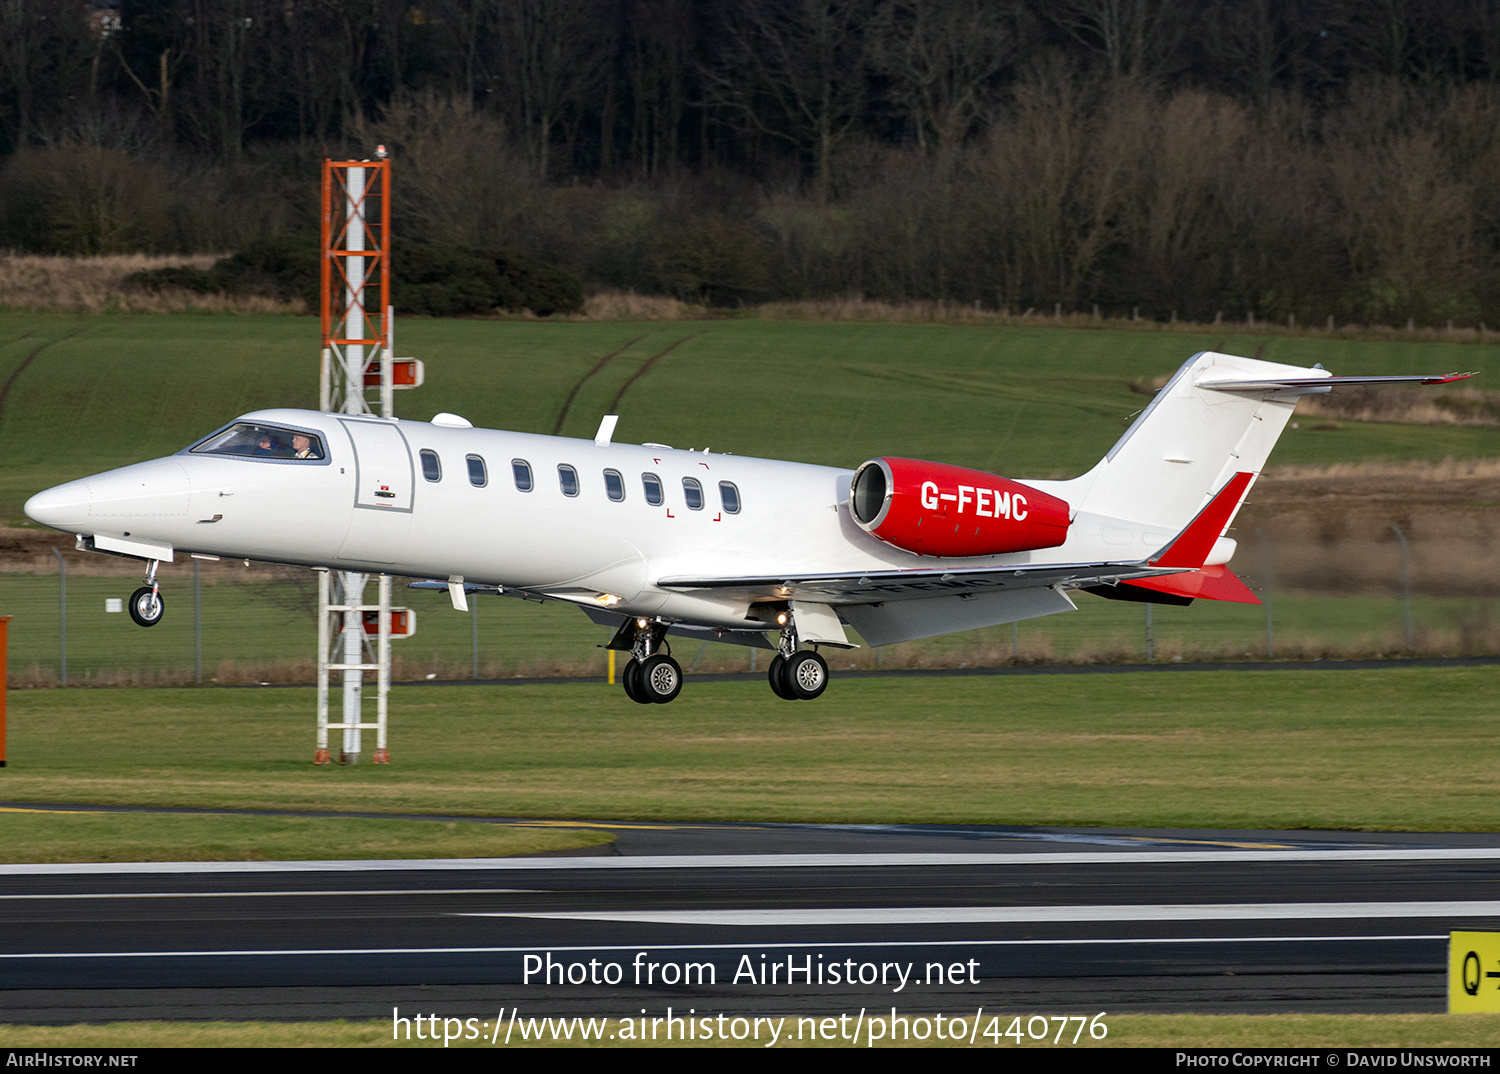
{"x":146,"y":604}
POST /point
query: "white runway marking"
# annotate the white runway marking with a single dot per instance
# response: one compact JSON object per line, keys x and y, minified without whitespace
{"x":839,"y":944}
{"x":951,"y":915}
{"x":760,"y":861}
{"x":273,"y":894}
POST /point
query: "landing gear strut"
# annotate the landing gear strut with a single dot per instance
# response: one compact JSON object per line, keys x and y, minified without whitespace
{"x":651,"y":677}
{"x":796,"y":674}
{"x":146,"y":604}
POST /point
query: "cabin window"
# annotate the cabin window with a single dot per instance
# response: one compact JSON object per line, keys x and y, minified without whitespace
{"x":692,"y":491}
{"x":567,"y":479}
{"x":522,"y":471}
{"x":729,"y":496}
{"x":614,"y":485}
{"x":652,"y":484}
{"x":477,"y":475}
{"x":263,"y":442}
{"x":432,"y":469}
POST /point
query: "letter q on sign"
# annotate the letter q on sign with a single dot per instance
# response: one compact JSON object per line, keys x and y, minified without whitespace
{"x":1473,"y":972}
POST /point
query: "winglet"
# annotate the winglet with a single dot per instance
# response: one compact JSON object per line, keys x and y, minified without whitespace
{"x":1193,"y":544}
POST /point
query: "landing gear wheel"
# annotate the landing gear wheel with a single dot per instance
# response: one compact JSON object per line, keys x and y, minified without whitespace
{"x":631,"y":678}
{"x":806,"y":675}
{"x":146,"y":607}
{"x":777,"y":678}
{"x":660,"y":679}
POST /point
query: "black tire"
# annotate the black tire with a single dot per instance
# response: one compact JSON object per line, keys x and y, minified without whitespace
{"x":144,"y":610}
{"x":631,"y":678}
{"x":660,"y":679}
{"x":777,"y":678}
{"x":806,"y":674}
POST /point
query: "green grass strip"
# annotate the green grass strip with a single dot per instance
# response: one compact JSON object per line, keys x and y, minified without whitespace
{"x":1397,"y":748}
{"x":32,"y":836}
{"x":1125,"y":1031}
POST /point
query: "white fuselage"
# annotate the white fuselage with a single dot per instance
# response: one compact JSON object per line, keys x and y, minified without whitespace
{"x":367,"y":506}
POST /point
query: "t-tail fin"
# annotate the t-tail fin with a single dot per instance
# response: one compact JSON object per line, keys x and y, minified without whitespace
{"x":1187,"y":462}
{"x":1191,"y":440}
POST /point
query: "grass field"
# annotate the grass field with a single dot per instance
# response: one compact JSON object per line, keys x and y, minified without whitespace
{"x":1125,"y":1031}
{"x":29,"y":835}
{"x":88,"y":393}
{"x":1398,"y":748}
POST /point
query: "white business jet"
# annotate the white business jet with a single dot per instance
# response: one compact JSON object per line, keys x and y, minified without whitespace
{"x":657,"y":542}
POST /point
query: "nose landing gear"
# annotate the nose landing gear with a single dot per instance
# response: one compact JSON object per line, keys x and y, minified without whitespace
{"x":146,"y":604}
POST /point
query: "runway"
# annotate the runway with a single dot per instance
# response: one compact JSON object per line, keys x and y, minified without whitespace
{"x":760,"y":919}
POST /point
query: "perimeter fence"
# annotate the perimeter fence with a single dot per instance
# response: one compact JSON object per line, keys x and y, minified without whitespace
{"x":236,"y":624}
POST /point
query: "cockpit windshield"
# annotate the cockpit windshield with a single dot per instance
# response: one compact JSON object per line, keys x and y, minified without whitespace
{"x":263,"y":441}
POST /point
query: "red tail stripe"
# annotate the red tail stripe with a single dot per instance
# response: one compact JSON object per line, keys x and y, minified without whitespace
{"x":1210,"y":583}
{"x":1194,"y":543}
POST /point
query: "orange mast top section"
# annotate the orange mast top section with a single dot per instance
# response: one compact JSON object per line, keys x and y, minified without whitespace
{"x":355,"y":261}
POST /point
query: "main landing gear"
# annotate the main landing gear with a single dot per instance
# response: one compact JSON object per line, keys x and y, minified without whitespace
{"x":651,"y":677}
{"x":146,"y":604}
{"x":796,"y":674}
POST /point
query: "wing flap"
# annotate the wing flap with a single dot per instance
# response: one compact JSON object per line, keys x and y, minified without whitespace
{"x":870,"y":587}
{"x":907,"y":620}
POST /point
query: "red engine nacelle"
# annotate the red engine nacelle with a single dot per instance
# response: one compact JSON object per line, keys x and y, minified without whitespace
{"x":939,"y":510}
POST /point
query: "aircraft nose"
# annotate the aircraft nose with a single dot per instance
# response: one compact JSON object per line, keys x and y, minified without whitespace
{"x":148,"y":494}
{"x":64,"y":507}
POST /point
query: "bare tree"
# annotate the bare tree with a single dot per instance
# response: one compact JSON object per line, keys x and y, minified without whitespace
{"x":46,"y":53}
{"x":1192,"y":139}
{"x":657,"y":51}
{"x":228,"y":68}
{"x":942,"y":58}
{"x":1406,"y":222}
{"x":1135,"y":37}
{"x":1251,"y":43}
{"x":794,"y":70}
{"x":549,"y":57}
{"x":459,"y":181}
{"x":1061,"y":179}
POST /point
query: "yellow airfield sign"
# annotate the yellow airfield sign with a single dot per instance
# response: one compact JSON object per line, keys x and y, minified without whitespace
{"x":1473,"y":972}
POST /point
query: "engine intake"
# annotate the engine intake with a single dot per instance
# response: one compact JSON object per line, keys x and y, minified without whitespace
{"x":935,"y":509}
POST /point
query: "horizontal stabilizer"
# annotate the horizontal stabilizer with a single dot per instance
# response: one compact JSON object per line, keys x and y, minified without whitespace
{"x":1318,"y":385}
{"x":1210,"y":583}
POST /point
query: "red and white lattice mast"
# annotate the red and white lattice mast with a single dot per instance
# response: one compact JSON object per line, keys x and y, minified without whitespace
{"x":358,"y":335}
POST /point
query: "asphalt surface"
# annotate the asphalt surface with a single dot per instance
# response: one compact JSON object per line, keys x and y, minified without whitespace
{"x":760,"y":919}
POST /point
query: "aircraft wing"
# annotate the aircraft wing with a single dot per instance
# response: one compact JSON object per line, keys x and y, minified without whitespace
{"x":888,"y":607}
